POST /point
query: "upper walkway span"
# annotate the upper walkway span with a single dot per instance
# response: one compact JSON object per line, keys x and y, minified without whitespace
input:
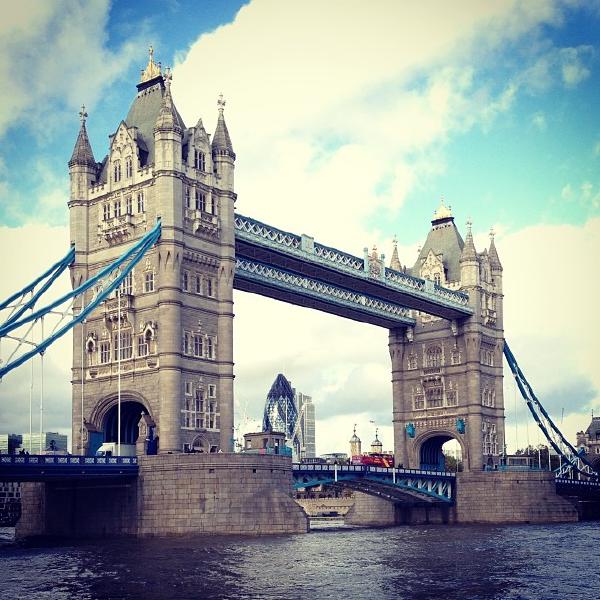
{"x":300,"y":254}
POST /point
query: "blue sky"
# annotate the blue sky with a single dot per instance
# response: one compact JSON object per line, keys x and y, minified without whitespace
{"x":349,"y":124}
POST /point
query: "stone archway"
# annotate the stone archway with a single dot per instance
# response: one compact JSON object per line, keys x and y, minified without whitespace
{"x":200,"y":444}
{"x":104,"y":417}
{"x":428,"y":450}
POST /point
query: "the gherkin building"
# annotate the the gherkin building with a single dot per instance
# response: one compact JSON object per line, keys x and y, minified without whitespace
{"x":281,"y":413}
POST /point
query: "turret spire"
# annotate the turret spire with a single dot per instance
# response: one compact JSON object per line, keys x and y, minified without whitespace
{"x":167,"y":117}
{"x":468,"y":251}
{"x":395,"y":261}
{"x":82,"y":152}
{"x":493,"y":253}
{"x":221,"y":141}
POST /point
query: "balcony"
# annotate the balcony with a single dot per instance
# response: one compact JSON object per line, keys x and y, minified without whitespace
{"x":202,"y":222}
{"x":113,"y":306}
{"x":117,"y":228}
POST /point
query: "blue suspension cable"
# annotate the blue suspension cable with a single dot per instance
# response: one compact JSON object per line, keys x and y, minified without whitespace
{"x":135,"y":254}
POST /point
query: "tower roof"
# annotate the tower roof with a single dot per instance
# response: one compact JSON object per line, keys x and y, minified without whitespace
{"x":168,"y":118}
{"x":395,"y":260}
{"x":468,"y":252}
{"x":354,"y":439}
{"x":221,"y":140}
{"x":443,"y":239}
{"x":82,"y":152}
{"x":493,"y":254}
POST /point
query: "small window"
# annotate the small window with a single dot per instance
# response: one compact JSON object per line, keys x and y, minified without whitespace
{"x":209,"y":348}
{"x":212,"y":391}
{"x":128,"y":206}
{"x":198,"y":284}
{"x":104,"y":352}
{"x":198,"y":346}
{"x":199,"y":160}
{"x":149,"y":281}
{"x":200,"y":201}
{"x":188,"y":197}
{"x":106,"y":211}
{"x":437,"y":279}
{"x":117,"y":208}
{"x":188,"y":388}
{"x":128,"y":167}
{"x":140,"y":202}
{"x":117,"y":170}
{"x":185,"y":281}
{"x":142,"y":346}
{"x":187,"y":342}
{"x":209,"y":287}
{"x":122,"y":346}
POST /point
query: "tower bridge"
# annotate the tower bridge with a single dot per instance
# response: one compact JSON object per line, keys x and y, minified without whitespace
{"x":159,"y":249}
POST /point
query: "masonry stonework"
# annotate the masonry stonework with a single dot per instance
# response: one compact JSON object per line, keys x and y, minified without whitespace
{"x":173,"y":495}
{"x":169,"y":331}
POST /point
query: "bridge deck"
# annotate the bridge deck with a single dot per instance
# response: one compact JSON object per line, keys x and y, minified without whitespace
{"x":25,"y":467}
{"x":268,"y":245}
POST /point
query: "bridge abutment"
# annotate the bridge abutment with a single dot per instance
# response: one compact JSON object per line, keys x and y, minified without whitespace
{"x":177,"y":494}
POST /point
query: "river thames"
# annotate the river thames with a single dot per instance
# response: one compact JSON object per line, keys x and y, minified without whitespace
{"x":541,"y":562}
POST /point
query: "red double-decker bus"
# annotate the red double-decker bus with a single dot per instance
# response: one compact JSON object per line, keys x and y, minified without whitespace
{"x":374,"y":459}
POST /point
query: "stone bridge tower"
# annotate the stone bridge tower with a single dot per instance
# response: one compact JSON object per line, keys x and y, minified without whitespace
{"x":447,"y":376}
{"x":173,"y":321}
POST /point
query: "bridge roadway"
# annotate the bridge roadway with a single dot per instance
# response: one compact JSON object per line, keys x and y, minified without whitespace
{"x":60,"y":467}
{"x":259,"y":246}
{"x":407,"y":486}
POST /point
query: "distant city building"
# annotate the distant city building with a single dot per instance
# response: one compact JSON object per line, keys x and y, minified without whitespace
{"x":376,"y":445}
{"x":9,"y":442}
{"x":335,"y":457}
{"x":589,"y":441}
{"x":50,"y":441}
{"x":306,"y":418}
{"x":293,"y":413}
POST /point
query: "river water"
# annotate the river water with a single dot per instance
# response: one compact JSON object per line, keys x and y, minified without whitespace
{"x":541,"y":562}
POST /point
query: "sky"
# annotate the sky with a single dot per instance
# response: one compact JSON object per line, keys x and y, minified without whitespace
{"x":350,"y":121}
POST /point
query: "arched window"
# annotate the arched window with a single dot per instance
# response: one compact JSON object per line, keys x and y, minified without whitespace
{"x":117,"y":170}
{"x":434,"y":356}
{"x":199,"y":160}
{"x":128,"y":167}
{"x":437,"y":279}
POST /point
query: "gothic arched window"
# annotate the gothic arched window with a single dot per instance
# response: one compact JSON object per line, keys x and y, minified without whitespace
{"x":117,"y":170}
{"x":437,"y":279}
{"x":199,"y":160}
{"x":128,"y":167}
{"x":434,"y":357}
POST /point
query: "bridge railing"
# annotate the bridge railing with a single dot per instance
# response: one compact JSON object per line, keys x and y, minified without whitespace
{"x":370,"y":469}
{"x":306,"y":248}
{"x":65,"y":459}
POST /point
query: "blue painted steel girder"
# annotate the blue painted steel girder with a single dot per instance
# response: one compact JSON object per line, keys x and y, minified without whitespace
{"x":261,"y":242}
{"x":280,"y":284}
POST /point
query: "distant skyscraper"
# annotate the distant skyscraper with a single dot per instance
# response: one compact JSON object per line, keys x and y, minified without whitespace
{"x":293,"y":413}
{"x":306,"y":414}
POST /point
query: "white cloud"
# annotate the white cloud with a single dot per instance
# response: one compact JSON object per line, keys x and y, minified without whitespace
{"x":54,"y":56}
{"x":377,"y":99}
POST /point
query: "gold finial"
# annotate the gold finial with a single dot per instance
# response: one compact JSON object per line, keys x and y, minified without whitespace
{"x":443,"y":211}
{"x":82,"y":114}
{"x":221,"y":103}
{"x":152,"y":69}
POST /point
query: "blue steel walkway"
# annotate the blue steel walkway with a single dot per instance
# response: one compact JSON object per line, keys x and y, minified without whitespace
{"x":407,"y":486}
{"x":26,"y":467}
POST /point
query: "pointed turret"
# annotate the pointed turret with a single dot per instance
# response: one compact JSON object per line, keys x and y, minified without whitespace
{"x":395,"y":262}
{"x":468,"y":252}
{"x":493,"y":254}
{"x":221,"y":143}
{"x":222,"y":151}
{"x":167,"y":119}
{"x":82,"y":152}
{"x":199,"y":132}
{"x":469,"y":264}
{"x":376,"y":445}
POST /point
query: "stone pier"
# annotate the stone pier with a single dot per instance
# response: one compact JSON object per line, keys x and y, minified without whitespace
{"x":173,"y":495}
